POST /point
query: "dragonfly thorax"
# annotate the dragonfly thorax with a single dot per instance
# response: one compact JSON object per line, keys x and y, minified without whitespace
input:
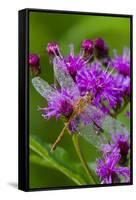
{"x":83,"y":102}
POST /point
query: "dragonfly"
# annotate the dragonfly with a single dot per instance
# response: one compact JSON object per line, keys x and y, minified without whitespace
{"x":101,"y":126}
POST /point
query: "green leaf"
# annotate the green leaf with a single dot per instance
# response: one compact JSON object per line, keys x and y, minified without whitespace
{"x":40,"y":161}
{"x":58,"y":160}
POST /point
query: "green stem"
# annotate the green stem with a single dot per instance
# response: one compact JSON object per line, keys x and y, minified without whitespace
{"x":82,"y":159}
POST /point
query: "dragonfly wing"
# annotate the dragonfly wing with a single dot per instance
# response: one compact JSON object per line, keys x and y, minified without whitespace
{"x":93,"y":136}
{"x":43,"y":88}
{"x":97,"y":127}
{"x":64,"y":78}
{"x":105,"y":121}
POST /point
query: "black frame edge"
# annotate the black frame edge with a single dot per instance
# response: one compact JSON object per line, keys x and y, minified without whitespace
{"x":77,"y":12}
{"x":23,"y":173}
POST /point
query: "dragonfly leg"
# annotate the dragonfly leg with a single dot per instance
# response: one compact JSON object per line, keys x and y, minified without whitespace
{"x":59,"y":138}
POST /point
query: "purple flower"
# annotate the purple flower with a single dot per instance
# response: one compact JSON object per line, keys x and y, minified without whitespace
{"x":74,"y":64}
{"x":34,"y":59}
{"x":122,"y":83}
{"x":99,"y":82}
{"x":122,"y":62}
{"x":53,"y":49}
{"x":88,"y":47}
{"x":101,"y":48}
{"x":34,"y":62}
{"x":60,"y":104}
{"x":121,"y":141}
{"x":109,"y":171}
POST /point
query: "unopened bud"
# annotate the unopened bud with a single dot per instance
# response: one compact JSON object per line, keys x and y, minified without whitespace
{"x":53,"y":49}
{"x":34,"y":62}
{"x":101,"y":48}
{"x":88,"y":46}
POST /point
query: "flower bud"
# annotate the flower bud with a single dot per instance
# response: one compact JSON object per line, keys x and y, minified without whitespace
{"x":88,"y":46}
{"x":34,"y":62}
{"x":101,"y":48}
{"x":53,"y":49}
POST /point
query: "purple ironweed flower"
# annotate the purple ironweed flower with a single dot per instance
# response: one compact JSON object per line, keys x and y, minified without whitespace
{"x":87,"y":47}
{"x":74,"y":64}
{"x":123,"y":84}
{"x":60,"y":104}
{"x":53,"y":49}
{"x":109,"y":171}
{"x":122,"y":62}
{"x":34,"y":62}
{"x":99,"y":82}
{"x":121,"y":141}
{"x":101,"y":48}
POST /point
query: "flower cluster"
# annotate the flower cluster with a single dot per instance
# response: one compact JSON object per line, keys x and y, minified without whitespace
{"x":109,"y":171}
{"x":105,"y":81}
{"x":100,"y":83}
{"x":109,"y":86}
{"x":111,"y":168}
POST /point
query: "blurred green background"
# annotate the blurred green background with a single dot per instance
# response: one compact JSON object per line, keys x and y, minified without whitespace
{"x":66,"y":29}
